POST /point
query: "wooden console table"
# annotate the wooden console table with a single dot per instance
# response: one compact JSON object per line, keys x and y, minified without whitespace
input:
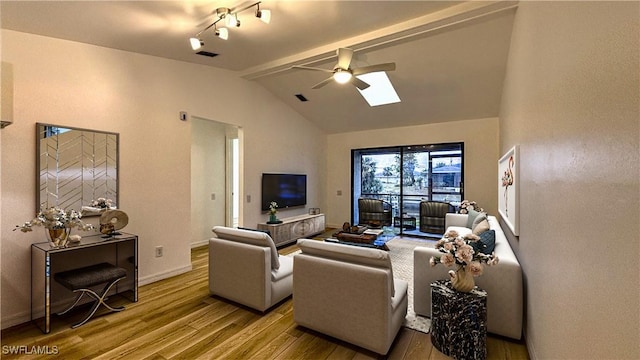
{"x":47,"y":295}
{"x":294,"y":228}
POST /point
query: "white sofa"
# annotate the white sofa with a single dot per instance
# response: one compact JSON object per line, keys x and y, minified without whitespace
{"x":348,"y":292}
{"x":244,"y":267}
{"x":502,"y":282}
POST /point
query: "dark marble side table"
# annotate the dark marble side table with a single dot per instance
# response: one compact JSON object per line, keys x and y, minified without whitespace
{"x":459,"y":321}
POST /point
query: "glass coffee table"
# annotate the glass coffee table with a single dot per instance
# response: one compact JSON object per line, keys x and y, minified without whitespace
{"x":369,"y":238}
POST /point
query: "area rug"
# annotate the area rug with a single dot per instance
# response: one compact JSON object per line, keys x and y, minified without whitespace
{"x":401,"y":252}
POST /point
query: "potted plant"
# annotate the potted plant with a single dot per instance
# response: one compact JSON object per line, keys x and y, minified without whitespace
{"x":273,"y":210}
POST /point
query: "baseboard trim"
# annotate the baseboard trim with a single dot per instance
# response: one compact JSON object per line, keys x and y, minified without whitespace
{"x":530,"y":349}
{"x":199,"y":243}
{"x":25,"y":316}
{"x":163,"y":275}
{"x":333,"y":226}
{"x":16,"y":319}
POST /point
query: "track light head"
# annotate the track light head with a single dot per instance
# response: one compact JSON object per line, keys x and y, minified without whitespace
{"x":222,"y":33}
{"x":196,"y":43}
{"x":264,"y":15}
{"x":232,"y":20}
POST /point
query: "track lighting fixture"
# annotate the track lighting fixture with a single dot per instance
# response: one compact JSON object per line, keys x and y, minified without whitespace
{"x":232,"y":20}
{"x":230,"y":17}
{"x":264,"y":15}
{"x":222,"y":33}
{"x":196,"y":43}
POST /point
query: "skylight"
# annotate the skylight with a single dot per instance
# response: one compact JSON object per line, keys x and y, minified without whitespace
{"x":380,"y":91}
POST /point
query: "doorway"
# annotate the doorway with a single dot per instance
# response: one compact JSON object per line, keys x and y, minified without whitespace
{"x":215,"y":177}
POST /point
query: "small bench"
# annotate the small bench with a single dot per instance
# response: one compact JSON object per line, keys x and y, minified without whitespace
{"x":82,"y":279}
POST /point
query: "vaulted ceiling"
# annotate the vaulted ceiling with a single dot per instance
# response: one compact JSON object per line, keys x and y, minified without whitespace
{"x":450,"y":56}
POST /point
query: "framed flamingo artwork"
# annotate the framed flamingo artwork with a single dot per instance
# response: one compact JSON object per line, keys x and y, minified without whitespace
{"x":508,"y":194}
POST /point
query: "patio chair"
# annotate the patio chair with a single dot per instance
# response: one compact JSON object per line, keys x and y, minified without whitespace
{"x":432,"y":214}
{"x":374,"y":212}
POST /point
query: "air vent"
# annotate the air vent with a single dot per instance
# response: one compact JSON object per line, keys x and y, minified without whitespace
{"x":301,"y":97}
{"x":206,"y":53}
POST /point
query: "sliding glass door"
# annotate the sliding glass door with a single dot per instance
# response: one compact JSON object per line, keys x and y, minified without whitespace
{"x":406,"y":175}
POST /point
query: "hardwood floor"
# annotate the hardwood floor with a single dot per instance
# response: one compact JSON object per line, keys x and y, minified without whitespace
{"x":176,"y":318}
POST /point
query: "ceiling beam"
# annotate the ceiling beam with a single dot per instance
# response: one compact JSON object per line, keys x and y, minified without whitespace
{"x":386,"y":36}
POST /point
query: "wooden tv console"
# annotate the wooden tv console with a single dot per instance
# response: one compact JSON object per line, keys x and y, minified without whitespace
{"x":294,"y":228}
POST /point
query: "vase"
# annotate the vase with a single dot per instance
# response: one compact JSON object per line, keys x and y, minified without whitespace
{"x":272,"y":218}
{"x":58,"y":237}
{"x":462,"y":280}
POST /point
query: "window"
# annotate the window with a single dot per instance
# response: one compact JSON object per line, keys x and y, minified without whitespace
{"x":406,"y":175}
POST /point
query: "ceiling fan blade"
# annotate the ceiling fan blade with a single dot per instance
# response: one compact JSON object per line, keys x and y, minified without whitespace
{"x":374,"y":68}
{"x":322,"y":83}
{"x":302,"y":67}
{"x":359,"y":83}
{"x":344,"y":58}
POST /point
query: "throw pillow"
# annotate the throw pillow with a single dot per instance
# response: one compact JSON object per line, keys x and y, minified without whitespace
{"x":480,"y":218}
{"x":481,"y":227}
{"x":471,"y":217}
{"x":486,"y":244}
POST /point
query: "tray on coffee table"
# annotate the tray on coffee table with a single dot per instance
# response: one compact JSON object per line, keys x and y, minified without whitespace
{"x":365,"y":238}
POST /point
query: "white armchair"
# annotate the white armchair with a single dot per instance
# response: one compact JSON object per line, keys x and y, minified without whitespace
{"x":244,"y":267}
{"x":349,"y":293}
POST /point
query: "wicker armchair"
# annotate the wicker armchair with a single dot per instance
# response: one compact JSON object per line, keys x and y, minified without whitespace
{"x":374,"y":212}
{"x":432,"y":214}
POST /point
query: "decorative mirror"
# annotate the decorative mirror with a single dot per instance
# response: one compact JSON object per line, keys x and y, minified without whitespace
{"x":75,"y":167}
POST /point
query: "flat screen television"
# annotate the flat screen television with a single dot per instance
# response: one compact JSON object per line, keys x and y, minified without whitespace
{"x":287,"y":190}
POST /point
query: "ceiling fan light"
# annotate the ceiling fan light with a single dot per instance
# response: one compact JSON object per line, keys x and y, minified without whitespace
{"x":196,"y":43}
{"x":341,"y":76}
{"x":222,"y":33}
{"x":264,"y":15}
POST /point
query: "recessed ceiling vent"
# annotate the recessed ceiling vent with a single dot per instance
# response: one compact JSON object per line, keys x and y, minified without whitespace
{"x":301,"y":97}
{"x":206,"y":53}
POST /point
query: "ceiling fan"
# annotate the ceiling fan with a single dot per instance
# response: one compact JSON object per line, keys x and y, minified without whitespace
{"x":343,"y":73}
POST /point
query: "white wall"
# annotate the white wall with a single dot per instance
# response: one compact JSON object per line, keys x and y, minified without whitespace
{"x":571,"y":102}
{"x":140,"y":97}
{"x":480,"y":139}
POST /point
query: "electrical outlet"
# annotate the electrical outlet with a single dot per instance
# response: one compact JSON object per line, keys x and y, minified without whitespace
{"x":159,"y":251}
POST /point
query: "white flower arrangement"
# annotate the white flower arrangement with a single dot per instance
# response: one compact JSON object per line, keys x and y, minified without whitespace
{"x":458,"y":250}
{"x":273,"y":208}
{"x":102,"y":203}
{"x":467,"y":205}
{"x":55,"y":218}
